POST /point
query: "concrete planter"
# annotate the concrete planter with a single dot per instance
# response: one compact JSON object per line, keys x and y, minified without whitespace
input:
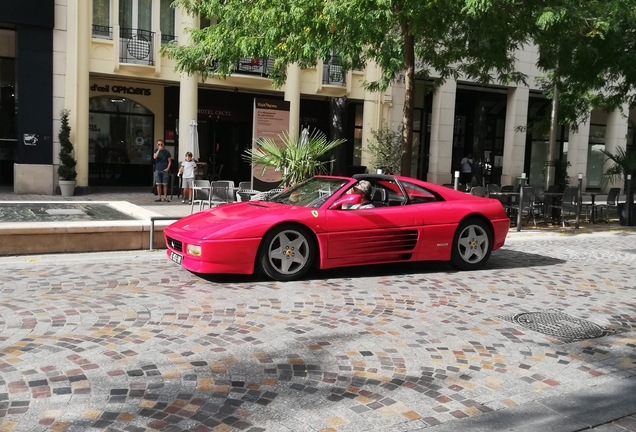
{"x":622,"y":215}
{"x":67,"y":187}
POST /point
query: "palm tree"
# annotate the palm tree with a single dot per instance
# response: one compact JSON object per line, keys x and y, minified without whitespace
{"x":624,"y":164}
{"x":299,"y":158}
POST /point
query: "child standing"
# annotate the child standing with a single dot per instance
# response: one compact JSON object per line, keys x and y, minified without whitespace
{"x":186,"y":170}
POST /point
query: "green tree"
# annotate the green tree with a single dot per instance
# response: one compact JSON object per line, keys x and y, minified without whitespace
{"x":588,"y":50}
{"x":385,"y":150}
{"x":475,"y":39}
{"x":298,"y":159}
{"x":66,"y":169}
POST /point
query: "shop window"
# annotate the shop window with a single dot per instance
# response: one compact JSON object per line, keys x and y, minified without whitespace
{"x":120,"y":135}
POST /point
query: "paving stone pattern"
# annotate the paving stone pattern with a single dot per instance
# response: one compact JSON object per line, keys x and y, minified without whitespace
{"x":128,"y":341}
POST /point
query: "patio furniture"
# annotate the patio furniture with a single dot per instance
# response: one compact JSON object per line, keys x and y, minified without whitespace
{"x":200,"y":194}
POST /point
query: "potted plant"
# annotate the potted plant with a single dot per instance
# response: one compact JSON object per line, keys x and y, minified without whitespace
{"x":66,"y":170}
{"x":624,"y":164}
{"x":298,"y":159}
{"x":386,"y":150}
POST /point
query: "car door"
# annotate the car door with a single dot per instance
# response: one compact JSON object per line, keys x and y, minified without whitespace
{"x":373,"y":234}
{"x":439,"y":222}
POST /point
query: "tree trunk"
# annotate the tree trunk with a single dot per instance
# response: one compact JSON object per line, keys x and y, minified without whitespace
{"x":409,"y":101}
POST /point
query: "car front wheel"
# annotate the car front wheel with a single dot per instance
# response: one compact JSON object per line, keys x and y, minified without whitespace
{"x":472,"y":245}
{"x":287,"y":253}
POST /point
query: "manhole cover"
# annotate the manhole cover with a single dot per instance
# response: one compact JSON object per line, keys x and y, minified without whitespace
{"x":560,"y":325}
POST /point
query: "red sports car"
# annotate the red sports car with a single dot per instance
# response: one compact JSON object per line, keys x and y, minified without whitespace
{"x":305,"y":226}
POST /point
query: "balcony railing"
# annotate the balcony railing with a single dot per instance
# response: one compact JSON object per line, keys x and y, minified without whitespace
{"x":332,"y":72}
{"x":166,"y":38}
{"x":136,"y":46}
{"x":102,"y":32}
{"x":252,"y":66}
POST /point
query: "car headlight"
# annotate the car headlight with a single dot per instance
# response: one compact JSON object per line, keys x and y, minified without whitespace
{"x":193,"y":250}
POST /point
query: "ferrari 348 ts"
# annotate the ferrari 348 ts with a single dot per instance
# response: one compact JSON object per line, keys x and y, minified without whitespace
{"x":306,"y":227}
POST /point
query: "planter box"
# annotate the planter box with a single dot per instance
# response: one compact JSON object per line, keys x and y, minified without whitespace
{"x":622,"y":215}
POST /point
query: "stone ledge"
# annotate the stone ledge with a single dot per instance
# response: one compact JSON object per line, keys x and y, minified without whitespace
{"x":25,"y":238}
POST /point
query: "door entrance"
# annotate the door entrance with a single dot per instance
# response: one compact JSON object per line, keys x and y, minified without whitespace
{"x":222,"y":144}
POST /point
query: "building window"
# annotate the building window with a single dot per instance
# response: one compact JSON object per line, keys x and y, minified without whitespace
{"x":357,"y":135}
{"x":166,"y":21}
{"x":135,"y":14}
{"x":101,"y":19}
{"x":595,"y":158}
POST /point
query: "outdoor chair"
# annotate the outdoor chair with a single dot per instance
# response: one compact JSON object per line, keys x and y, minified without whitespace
{"x":568,"y":204}
{"x":610,"y":203}
{"x":529,"y":205}
{"x":491,"y":187}
{"x":244,"y":191}
{"x":265,"y":195}
{"x":221,"y":192}
{"x":200,"y":194}
{"x":215,"y":172}
{"x":479,"y":191}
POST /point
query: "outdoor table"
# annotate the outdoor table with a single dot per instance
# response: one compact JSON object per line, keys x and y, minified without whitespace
{"x":593,"y":218}
{"x":509,"y":200}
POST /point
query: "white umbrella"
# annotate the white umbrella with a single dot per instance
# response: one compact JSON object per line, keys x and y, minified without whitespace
{"x":304,"y":137}
{"x":192,"y":145}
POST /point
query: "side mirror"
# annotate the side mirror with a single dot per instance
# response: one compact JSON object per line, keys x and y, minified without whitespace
{"x":344,"y":200}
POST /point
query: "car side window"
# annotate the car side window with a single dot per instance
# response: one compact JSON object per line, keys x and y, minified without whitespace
{"x":418,"y":194}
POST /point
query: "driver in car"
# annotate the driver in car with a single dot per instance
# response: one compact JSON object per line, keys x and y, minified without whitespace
{"x":358,"y":197}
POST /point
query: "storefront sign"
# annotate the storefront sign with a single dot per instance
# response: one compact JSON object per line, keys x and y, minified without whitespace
{"x":214,"y":112}
{"x":31,"y":139}
{"x":271,"y":119}
{"x":119,"y":89}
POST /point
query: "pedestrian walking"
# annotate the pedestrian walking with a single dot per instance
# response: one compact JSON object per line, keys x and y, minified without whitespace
{"x":467,"y":169}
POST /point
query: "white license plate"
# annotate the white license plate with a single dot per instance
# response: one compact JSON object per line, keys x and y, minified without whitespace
{"x":176,"y":257}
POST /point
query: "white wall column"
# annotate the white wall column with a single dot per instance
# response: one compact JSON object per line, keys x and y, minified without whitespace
{"x":578,"y":143}
{"x":371,"y":116}
{"x":292,"y":95}
{"x":85,"y":19}
{"x":515,"y":140}
{"x":615,"y":137}
{"x":188,"y":92}
{"x":442,"y":124}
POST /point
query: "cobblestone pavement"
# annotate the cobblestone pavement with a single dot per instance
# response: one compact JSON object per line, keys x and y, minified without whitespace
{"x":127,"y":341}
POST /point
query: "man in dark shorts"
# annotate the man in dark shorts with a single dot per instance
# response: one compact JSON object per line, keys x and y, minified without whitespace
{"x":163,"y":160}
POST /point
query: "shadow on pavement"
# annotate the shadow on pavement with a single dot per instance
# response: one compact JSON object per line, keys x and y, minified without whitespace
{"x":499,"y":260}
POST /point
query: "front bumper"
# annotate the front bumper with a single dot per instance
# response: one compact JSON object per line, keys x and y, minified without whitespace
{"x":217,"y":256}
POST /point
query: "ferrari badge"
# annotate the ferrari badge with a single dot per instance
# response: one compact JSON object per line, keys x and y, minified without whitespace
{"x":314,"y":213}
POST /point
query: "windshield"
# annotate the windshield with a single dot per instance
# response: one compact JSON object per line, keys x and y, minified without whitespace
{"x":311,"y":193}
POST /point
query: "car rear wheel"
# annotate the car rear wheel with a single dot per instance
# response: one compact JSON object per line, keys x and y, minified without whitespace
{"x":287,"y":253}
{"x":472,"y":245}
